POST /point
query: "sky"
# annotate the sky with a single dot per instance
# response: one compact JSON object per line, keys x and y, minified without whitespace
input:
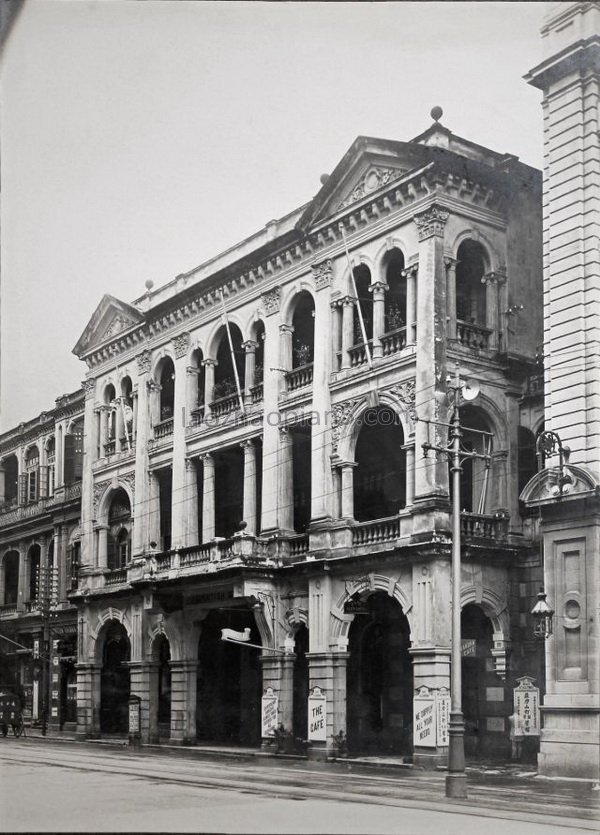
{"x":140,"y":139}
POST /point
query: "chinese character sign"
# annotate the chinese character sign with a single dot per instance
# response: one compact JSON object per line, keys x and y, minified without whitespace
{"x":527,"y":707}
{"x":442,"y":704}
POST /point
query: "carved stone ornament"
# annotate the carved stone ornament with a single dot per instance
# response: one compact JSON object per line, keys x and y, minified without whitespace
{"x":431,"y":222}
{"x":323,"y":274}
{"x":374,"y":178}
{"x":89,"y":387}
{"x":118,"y":324}
{"x":181,"y":344}
{"x":405,"y":393}
{"x":144,"y":362}
{"x":340,"y":416}
{"x":272,"y":300}
{"x":129,"y":480}
{"x":100,"y":488}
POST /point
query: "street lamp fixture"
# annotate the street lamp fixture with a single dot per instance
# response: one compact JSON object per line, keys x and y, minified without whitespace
{"x":542,"y":617}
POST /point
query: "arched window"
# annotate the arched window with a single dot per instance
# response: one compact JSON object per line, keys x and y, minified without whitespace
{"x":225,"y":384}
{"x":470,"y":291}
{"x":362,"y":280}
{"x":303,"y":337}
{"x":119,"y":530}
{"x":74,"y":452}
{"x":109,"y":401}
{"x":51,"y":461}
{"x":395,"y":300}
{"x":259,"y":362}
{"x":380,"y":474}
{"x":10,"y":566}
{"x":476,"y":480}
{"x":167,"y":389}
{"x":32,"y":474}
{"x":196,"y":382}
{"x":126,"y":413}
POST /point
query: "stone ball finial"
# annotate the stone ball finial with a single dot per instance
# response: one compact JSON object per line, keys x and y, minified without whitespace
{"x":323,"y":178}
{"x":149,"y":284}
{"x":436,"y":113}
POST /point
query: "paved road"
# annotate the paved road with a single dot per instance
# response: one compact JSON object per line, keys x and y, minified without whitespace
{"x":72,"y":787}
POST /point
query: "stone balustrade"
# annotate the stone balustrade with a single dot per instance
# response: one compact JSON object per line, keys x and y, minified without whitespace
{"x":224,"y":406}
{"x":358,"y":354}
{"x":300,"y":377}
{"x":163,"y":429}
{"x":393,"y":342}
{"x":378,"y":530}
{"x":472,"y":336}
{"x":480,"y":526}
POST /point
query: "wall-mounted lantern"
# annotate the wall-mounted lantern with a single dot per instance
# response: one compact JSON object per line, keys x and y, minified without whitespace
{"x":542,"y":617}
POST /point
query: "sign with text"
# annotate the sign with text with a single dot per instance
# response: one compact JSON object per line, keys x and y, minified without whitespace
{"x":468,"y":647}
{"x":317,"y":715}
{"x":442,"y":710}
{"x":424,"y":719}
{"x":527,"y":707}
{"x":270,"y":707}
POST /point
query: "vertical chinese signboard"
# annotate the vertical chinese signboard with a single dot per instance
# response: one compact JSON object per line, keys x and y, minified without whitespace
{"x":317,"y":716}
{"x":527,"y":707}
{"x":442,"y":710}
{"x":270,"y":706}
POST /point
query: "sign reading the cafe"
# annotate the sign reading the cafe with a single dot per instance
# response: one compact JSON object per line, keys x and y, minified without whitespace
{"x":317,"y":716}
{"x":424,"y":719}
{"x":270,"y":707}
{"x":442,"y":710}
{"x":527,"y":707}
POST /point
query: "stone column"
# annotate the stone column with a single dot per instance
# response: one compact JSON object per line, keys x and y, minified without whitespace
{"x":431,"y":481}
{"x":336,"y":336}
{"x":286,"y":482}
{"x":450,"y":264}
{"x":278,"y":673}
{"x":378,"y":290}
{"x":90,"y":445}
{"x":140,"y":686}
{"x":249,"y":501}
{"x":208,"y":497}
{"x":183,"y":701}
{"x":321,"y":503}
{"x":410,"y":273}
{"x":141,"y":509}
{"x":22,"y":582}
{"x":347,"y":330}
{"x":491,"y":309}
{"x":409,"y":449}
{"x":327,"y":670}
{"x":287,"y":359}
{"x":102,"y":545}
{"x":2,"y":484}
{"x":60,"y":560}
{"x":347,"y":474}
{"x":191,"y":534}
{"x":134,"y":397}
{"x":250,"y":368}
{"x":209,"y":385}
{"x":179,"y":509}
{"x":88,"y":700}
{"x":153,"y":511}
{"x":272,"y":384}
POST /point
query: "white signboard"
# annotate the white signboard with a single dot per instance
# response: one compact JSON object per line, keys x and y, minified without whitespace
{"x":424,"y":719}
{"x":270,"y":707}
{"x":442,"y":709}
{"x":527,"y":708}
{"x":317,"y":715}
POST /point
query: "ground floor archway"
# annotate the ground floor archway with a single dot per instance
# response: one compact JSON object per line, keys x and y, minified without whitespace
{"x":379,"y":679}
{"x":115,"y":680}
{"x":229,"y":685}
{"x":300,"y":684}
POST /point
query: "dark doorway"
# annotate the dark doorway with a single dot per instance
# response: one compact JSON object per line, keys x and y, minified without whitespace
{"x":163,"y":656}
{"x":301,"y":452}
{"x":380,"y":477}
{"x":301,"y":684}
{"x":114,"y":681}
{"x":380,"y":679}
{"x":229,"y":490}
{"x":229,"y":681}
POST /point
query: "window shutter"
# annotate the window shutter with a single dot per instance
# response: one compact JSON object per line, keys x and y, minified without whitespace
{"x":43,"y":482}
{"x":78,"y":463}
{"x":69,"y":459}
{"x":23,"y":485}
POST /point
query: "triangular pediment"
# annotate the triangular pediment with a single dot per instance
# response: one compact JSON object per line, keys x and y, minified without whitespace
{"x":111,"y":317}
{"x":367,"y":169}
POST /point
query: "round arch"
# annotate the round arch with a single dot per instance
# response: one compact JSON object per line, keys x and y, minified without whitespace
{"x":290,"y":299}
{"x":217,"y":331}
{"x":365,"y":586}
{"x":107,"y":497}
{"x":96,"y":636}
{"x":491,"y":260}
{"x":352,"y":423}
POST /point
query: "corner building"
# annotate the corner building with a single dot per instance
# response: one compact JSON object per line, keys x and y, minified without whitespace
{"x":300,"y":510}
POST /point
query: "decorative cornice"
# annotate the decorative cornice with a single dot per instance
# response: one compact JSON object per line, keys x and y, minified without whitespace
{"x":323,"y":274}
{"x":272,"y":301}
{"x":181,"y":344}
{"x":431,"y":222}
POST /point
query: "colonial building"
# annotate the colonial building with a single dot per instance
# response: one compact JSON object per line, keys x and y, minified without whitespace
{"x":40,"y":500}
{"x":254,"y":461}
{"x":565,"y":494}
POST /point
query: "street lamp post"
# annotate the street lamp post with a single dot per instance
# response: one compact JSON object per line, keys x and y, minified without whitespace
{"x":456,"y":779}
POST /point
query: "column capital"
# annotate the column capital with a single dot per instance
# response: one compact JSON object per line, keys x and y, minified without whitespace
{"x":378,"y":289}
{"x":494,"y":277}
{"x":410,"y":271}
{"x":286,"y":328}
{"x":431,"y":222}
{"x":450,"y":262}
{"x":209,"y":362}
{"x":344,"y":465}
{"x":250,"y":346}
{"x":152,"y":385}
{"x":207,"y":458}
{"x":346,"y":301}
{"x":247,"y":444}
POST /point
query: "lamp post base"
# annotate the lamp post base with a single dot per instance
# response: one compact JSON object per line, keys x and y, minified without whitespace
{"x":456,"y":785}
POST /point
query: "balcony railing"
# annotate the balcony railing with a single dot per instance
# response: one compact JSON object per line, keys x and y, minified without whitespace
{"x":476,"y":525}
{"x":197,"y":555}
{"x":298,"y":545}
{"x":256,"y":394}
{"x":110,"y":447}
{"x":393,"y":342}
{"x":358,"y":354}
{"x":300,"y":377}
{"x":379,"y":530}
{"x":472,"y":336}
{"x":224,"y":406}
{"x":164,"y":428}
{"x":116,"y":576}
{"x":8,"y":609}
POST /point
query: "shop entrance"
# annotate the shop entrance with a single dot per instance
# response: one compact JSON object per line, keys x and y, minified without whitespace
{"x":484,"y":695}
{"x":115,"y":681}
{"x":301,"y":682}
{"x":229,"y":681}
{"x":380,"y":679}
